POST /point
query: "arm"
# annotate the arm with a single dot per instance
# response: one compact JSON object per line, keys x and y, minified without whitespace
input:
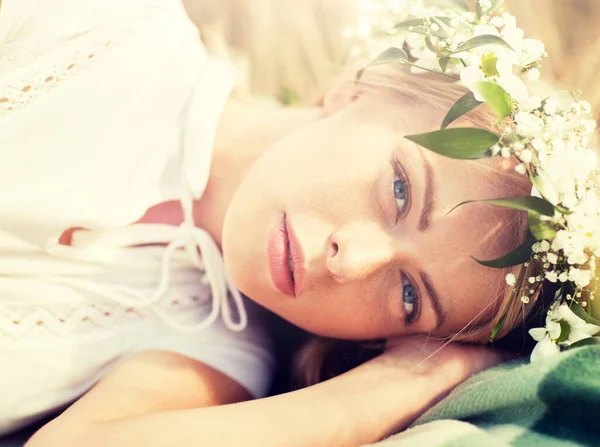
{"x":361,"y":406}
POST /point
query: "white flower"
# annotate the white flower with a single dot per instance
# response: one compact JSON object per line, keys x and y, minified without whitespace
{"x":585,"y":107}
{"x":533,"y":74}
{"x":470,"y":76}
{"x":497,"y":21}
{"x":521,"y":169}
{"x":531,"y":51}
{"x":532,"y":103}
{"x":579,"y":329}
{"x":526,"y":156}
{"x":563,"y":277}
{"x":528,"y":124}
{"x":494,"y":64}
{"x":514,"y":87}
{"x":552,"y":276}
{"x":485,"y":30}
{"x":511,"y":279}
{"x":589,"y":125}
{"x":544,"y":187}
{"x":581,"y":278}
{"x":552,"y":259}
{"x":572,"y":244}
{"x":545,"y":347}
{"x":525,"y":299}
{"x":551,"y":106}
{"x":547,"y":338}
{"x":510,"y":33}
{"x":485,"y":5}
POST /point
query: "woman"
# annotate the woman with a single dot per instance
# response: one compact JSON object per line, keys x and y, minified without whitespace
{"x":327,"y":216}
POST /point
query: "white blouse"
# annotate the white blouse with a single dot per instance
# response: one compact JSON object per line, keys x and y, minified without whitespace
{"x":107,"y":108}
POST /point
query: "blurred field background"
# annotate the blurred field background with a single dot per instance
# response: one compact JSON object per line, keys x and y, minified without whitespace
{"x":292,"y":49}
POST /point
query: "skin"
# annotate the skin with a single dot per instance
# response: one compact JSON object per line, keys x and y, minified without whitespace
{"x":157,"y":399}
{"x":334,"y":181}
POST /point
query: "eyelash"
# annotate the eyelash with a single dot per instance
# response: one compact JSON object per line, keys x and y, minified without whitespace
{"x":410,"y":319}
{"x":401,"y":173}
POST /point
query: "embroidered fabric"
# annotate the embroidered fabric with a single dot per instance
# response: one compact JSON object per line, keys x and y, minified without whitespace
{"x":24,"y":81}
{"x":124,"y":302}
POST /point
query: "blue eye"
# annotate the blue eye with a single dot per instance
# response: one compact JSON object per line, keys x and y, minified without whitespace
{"x":401,"y":193}
{"x":410,"y":299}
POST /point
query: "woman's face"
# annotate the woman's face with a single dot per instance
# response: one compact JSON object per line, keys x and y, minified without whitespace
{"x":364,"y":214}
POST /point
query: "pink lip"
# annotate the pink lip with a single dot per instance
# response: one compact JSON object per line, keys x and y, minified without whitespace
{"x":297,"y":258}
{"x":282,"y":242}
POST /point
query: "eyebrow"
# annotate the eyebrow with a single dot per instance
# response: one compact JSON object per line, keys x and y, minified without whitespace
{"x":429,"y":194}
{"x":435,"y":300}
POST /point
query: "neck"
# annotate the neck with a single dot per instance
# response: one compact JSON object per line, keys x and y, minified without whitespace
{"x":245,"y":133}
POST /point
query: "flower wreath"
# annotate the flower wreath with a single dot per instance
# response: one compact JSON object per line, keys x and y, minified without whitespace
{"x":486,"y":51}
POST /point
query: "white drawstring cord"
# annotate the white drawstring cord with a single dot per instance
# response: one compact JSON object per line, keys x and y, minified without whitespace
{"x":220,"y":280}
{"x":190,"y":237}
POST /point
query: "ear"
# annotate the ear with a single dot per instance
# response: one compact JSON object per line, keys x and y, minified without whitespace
{"x":342,"y":93}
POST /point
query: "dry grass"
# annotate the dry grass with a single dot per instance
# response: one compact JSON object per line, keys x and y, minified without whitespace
{"x":296,"y":45}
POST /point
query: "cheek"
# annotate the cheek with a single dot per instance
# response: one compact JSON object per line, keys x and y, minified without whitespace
{"x":347,"y":312}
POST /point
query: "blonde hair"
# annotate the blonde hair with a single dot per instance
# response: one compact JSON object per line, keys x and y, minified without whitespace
{"x":320,"y":357}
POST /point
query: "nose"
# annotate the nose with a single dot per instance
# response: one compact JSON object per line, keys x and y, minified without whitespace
{"x":358,"y":251}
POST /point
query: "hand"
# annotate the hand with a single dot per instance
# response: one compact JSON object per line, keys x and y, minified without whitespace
{"x":445,"y":362}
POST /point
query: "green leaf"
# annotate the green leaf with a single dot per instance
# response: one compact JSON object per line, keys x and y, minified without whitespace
{"x":497,"y":328}
{"x":496,"y":97}
{"x":518,"y":256}
{"x":479,"y":41}
{"x":432,"y":47}
{"x":463,"y":106}
{"x":586,"y":342}
{"x":543,"y":185}
{"x":581,"y":313}
{"x":562,"y":210}
{"x":541,"y":229}
{"x":444,"y":61}
{"x":431,"y":71}
{"x":461,"y":5}
{"x":495,"y":4}
{"x":419,"y":26}
{"x":565,"y":330}
{"x":523,"y":203}
{"x":289,"y":96}
{"x":389,"y":56}
{"x":460,"y":143}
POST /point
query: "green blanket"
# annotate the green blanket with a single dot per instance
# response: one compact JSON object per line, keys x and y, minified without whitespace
{"x":554,"y":403}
